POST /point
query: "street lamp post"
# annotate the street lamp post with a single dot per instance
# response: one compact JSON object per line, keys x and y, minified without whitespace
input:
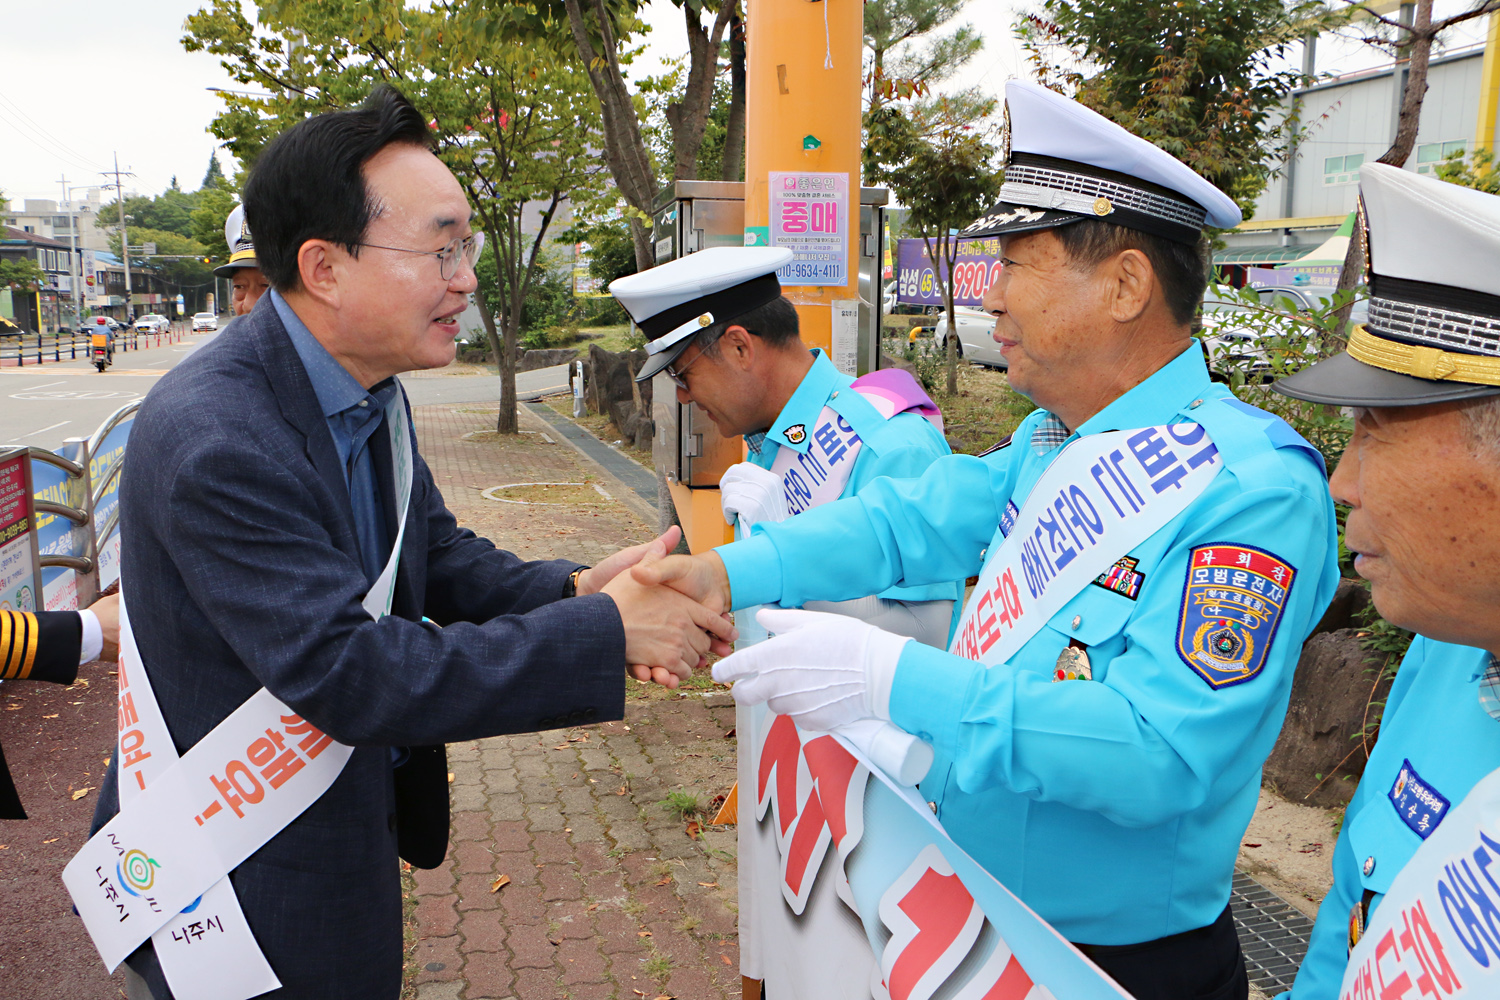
{"x":76,"y":282}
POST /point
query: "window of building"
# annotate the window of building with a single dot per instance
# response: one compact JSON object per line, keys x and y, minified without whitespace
{"x":1430,"y":154}
{"x":1342,"y":169}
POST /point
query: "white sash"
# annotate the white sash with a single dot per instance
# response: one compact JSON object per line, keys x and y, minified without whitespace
{"x":185,"y":823}
{"x":819,"y":476}
{"x":1101,"y":497}
{"x":1434,"y":934}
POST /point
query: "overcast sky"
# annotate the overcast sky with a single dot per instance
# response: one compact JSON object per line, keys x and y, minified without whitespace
{"x":85,"y":79}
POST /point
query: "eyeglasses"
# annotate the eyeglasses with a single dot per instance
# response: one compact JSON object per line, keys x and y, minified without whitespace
{"x":676,"y":374}
{"x":466,"y":247}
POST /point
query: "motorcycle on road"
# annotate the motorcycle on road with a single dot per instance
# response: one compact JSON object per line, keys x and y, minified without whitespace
{"x":101,"y":351}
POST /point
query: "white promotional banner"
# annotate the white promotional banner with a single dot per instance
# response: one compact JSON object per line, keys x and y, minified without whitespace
{"x":1103,"y":495}
{"x":819,"y":476}
{"x":868,"y":897}
{"x":185,"y":823}
{"x":207,"y":952}
{"x":1436,"y":933}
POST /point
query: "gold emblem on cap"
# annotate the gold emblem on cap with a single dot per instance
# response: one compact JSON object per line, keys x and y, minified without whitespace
{"x":706,"y":319}
{"x":1103,"y":206}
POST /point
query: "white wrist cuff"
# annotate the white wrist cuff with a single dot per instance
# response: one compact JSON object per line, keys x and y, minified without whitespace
{"x":880,"y":671}
{"x":93,"y":638}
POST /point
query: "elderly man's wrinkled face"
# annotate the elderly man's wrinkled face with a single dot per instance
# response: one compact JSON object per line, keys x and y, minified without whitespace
{"x":248,"y":285}
{"x":1045,"y":309}
{"x":1424,"y":521}
{"x":405,"y":311}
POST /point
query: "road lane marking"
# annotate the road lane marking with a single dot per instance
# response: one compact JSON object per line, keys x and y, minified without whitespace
{"x":44,"y":430}
{"x":76,"y":394}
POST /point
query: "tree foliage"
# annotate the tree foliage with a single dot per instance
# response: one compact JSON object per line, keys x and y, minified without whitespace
{"x":1478,"y":171}
{"x":1203,"y":79}
{"x":946,"y":177}
{"x":21,"y":273}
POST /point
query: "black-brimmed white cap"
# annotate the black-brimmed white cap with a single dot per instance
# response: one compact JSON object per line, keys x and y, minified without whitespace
{"x":1434,"y":328}
{"x":1069,"y":163}
{"x":672,"y":302}
{"x":241,"y":247}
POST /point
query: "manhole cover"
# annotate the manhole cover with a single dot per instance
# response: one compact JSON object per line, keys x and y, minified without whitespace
{"x":547,"y":494}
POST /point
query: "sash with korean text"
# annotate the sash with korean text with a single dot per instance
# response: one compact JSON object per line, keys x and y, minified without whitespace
{"x":1436,"y":933}
{"x":159,"y":868}
{"x":1101,"y":497}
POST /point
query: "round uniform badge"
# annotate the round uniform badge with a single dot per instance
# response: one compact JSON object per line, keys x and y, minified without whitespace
{"x":1103,"y":206}
{"x":796,"y":434}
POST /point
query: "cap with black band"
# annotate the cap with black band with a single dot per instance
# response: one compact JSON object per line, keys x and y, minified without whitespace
{"x":241,"y":247}
{"x":1433,"y":334}
{"x":673,"y":302}
{"x":1069,"y":163}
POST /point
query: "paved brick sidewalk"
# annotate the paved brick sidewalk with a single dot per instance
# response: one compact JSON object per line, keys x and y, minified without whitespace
{"x":608,"y":895}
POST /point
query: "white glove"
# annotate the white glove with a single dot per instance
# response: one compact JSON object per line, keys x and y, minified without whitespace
{"x":823,"y":670}
{"x":753,"y":494}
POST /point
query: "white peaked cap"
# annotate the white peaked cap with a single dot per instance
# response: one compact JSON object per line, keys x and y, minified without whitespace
{"x":1434,"y":329}
{"x":1423,"y":229}
{"x":675,"y":300}
{"x":1069,"y":163}
{"x":234,"y":227}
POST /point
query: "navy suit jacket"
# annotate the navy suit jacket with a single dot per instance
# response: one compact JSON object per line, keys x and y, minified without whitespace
{"x":241,"y":570}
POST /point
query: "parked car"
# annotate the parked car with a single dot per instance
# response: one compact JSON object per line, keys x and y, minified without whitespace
{"x":976,"y":342}
{"x":152,"y":323}
{"x":87,"y":326}
{"x":205,"y":321}
{"x":1231,"y":339}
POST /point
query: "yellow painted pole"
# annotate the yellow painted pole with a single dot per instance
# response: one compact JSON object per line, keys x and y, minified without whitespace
{"x":802,"y":113}
{"x":1489,"y":87}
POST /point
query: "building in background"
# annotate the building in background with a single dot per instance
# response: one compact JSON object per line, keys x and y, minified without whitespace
{"x":1351,"y":120}
{"x":47,"y":309}
{"x":54,"y":219}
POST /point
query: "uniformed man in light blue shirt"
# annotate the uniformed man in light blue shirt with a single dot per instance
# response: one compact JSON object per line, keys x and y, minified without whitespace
{"x":1422,"y":478}
{"x":1105,"y":771}
{"x":730,"y":342}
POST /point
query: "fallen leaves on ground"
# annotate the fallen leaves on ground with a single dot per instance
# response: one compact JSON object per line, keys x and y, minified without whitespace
{"x":664,"y":880}
{"x":725,"y":958}
{"x":52,"y":716}
{"x":500,"y":883}
{"x":694,"y":829}
{"x":450,"y":777}
{"x":82,"y":792}
{"x":52,"y":841}
{"x":709,"y":885}
{"x":642,"y":934}
{"x":1252,"y":845}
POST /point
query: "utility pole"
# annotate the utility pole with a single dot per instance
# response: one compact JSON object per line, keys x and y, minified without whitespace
{"x":124,"y":232}
{"x":75,"y":281}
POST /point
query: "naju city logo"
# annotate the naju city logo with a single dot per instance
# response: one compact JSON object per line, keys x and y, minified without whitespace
{"x":137,"y":872}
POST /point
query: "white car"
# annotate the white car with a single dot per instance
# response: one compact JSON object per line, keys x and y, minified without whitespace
{"x":153,"y":323}
{"x":976,"y":342}
{"x":205,"y":321}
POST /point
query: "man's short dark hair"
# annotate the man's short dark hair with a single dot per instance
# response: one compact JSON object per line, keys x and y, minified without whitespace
{"x":775,"y":323}
{"x":1183,"y":270}
{"x":309,"y":183}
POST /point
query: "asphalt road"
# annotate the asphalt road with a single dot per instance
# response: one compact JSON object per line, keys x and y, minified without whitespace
{"x":41,"y":405}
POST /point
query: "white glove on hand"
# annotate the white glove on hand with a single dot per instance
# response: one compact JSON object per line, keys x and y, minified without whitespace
{"x":823,"y":670}
{"x":753,"y":494}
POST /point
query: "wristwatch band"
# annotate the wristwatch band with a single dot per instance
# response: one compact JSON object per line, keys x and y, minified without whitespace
{"x":570,"y":589}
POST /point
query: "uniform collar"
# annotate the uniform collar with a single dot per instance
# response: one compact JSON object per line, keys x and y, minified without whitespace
{"x":1156,"y":400}
{"x":801,"y":411}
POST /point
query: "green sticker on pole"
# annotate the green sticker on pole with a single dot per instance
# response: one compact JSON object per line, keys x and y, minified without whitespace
{"x":811,"y":142}
{"x":757,"y":236}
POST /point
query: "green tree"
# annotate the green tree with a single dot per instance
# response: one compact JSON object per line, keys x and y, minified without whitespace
{"x":21,"y":273}
{"x":1477,"y":171}
{"x":945,"y":182}
{"x":179,"y":260}
{"x":516,"y":123}
{"x":213,"y":177}
{"x":171,"y":211}
{"x":1202,"y":79}
{"x":214,"y":206}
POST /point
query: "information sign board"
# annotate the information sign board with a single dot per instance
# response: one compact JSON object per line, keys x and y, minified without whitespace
{"x":18,"y":555}
{"x":810,"y":217}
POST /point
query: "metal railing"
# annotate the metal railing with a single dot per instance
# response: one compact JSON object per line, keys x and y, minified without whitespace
{"x":20,"y":349}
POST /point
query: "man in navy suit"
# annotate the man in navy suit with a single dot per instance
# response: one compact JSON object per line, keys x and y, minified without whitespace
{"x":260,"y":506}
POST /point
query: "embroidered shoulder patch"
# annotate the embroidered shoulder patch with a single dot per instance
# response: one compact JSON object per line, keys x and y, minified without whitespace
{"x":796,"y":434}
{"x":1122,"y":578}
{"x":1231,"y":605}
{"x":1419,"y":805}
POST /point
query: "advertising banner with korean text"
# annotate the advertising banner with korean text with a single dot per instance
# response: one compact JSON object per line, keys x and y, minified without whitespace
{"x":18,"y":576}
{"x":975,"y":268}
{"x":857,"y":893}
{"x":110,"y":452}
{"x":1434,"y":933}
{"x":55,"y":534}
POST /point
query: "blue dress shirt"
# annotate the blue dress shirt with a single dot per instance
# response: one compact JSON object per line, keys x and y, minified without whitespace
{"x":353,"y":414}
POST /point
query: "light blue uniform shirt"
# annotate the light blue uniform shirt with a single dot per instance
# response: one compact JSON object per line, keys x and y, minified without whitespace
{"x":1435,"y":728}
{"x":901,"y":447}
{"x":1113,"y":807}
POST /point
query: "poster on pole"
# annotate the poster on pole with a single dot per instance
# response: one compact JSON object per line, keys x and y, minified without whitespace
{"x":18,"y":573}
{"x":810,"y":217}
